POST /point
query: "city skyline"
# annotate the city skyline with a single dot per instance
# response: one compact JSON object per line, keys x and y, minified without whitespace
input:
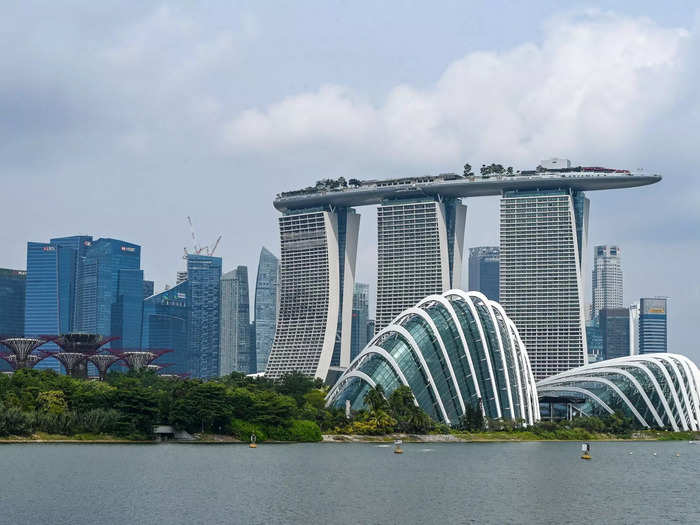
{"x":138,"y":148}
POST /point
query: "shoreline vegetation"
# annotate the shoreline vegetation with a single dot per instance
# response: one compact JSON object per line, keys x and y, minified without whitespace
{"x":41,"y":406}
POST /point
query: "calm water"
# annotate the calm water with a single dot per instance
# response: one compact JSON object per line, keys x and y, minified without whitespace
{"x":349,"y":483}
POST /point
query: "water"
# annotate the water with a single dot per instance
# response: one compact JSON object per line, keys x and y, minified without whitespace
{"x":349,"y":483}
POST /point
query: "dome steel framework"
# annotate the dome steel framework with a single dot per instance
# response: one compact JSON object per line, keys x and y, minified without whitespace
{"x":453,"y":350}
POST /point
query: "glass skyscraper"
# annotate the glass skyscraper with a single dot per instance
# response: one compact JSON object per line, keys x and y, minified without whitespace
{"x":204,"y":278}
{"x":483,"y":271}
{"x":266,"y":301}
{"x":607,"y":279}
{"x":615,"y":328}
{"x":13,"y":284}
{"x":360,"y":319}
{"x":148,"y":288}
{"x":51,"y":288}
{"x":165,"y":322}
{"x":110,"y":291}
{"x":236,"y":353}
{"x":653,"y":325}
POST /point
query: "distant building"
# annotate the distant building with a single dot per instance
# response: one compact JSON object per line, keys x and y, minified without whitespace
{"x":543,"y":241}
{"x":360,"y":318}
{"x":420,"y":245}
{"x":109,"y":291}
{"x":166,"y":317}
{"x":266,"y":305}
{"x":181,"y":277}
{"x":370,"y":329}
{"x":594,"y":339}
{"x":634,"y":329}
{"x":615,"y":330}
{"x":653,"y":325}
{"x":204,"y":278}
{"x":235,"y":349}
{"x":13,"y":284}
{"x":50,"y":299}
{"x":148,"y":288}
{"x":484,"y":271}
{"x":607,"y":279}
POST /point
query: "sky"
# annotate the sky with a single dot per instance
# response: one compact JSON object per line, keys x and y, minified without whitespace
{"x":121,"y":119}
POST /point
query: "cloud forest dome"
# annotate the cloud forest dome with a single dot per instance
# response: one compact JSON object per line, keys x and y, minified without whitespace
{"x":453,"y":350}
{"x":658,"y":390}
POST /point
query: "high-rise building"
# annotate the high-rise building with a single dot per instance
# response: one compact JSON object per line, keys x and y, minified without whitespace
{"x":543,"y":238}
{"x":653,"y":325}
{"x":594,"y":341}
{"x":266,"y":304}
{"x":607,"y":279}
{"x":484,"y":271}
{"x":615,"y":329}
{"x":235,"y":350}
{"x":360,"y":318}
{"x":317,"y":275}
{"x":204,"y":278}
{"x":13,"y":285}
{"x":634,"y":329}
{"x":109,"y":291}
{"x":370,"y":329}
{"x":166,"y":318}
{"x":420,"y":247}
{"x":50,"y":298}
{"x":148,"y":288}
{"x":180,"y":277}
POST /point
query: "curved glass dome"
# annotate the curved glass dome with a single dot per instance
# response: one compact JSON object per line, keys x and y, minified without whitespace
{"x":453,"y":350}
{"x":658,"y":390}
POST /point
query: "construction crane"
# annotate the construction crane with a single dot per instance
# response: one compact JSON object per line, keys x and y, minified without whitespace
{"x":196,"y":249}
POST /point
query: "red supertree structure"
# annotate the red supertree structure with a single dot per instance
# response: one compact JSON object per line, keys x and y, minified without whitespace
{"x":23,"y":351}
{"x":75,"y":350}
{"x":102,"y":362}
{"x":138,"y":359}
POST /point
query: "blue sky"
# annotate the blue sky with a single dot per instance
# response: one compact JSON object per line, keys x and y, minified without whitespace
{"x":121,"y":120}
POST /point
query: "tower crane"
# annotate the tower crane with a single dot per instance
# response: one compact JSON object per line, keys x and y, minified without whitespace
{"x":196,"y":249}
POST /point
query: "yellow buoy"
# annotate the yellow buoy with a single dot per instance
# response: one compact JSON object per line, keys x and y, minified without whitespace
{"x":397,"y":447}
{"x":586,"y":456}
{"x":586,"y":449}
{"x":253,"y":445}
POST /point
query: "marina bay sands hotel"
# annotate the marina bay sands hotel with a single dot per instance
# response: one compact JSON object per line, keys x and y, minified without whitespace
{"x":420,"y":225}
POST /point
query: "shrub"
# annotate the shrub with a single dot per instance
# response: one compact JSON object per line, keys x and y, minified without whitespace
{"x":243,"y":430}
{"x":14,"y":421}
{"x":307,"y":431}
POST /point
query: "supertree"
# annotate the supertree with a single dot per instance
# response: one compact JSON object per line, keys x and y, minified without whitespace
{"x":138,"y":359}
{"x":102,"y":362}
{"x":76,"y":348}
{"x":21,"y":351}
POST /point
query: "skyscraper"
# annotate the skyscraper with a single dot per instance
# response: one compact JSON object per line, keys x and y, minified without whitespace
{"x":360,"y":318}
{"x":317,"y":274}
{"x":109,"y":291}
{"x":166,"y":317}
{"x":13,"y":285}
{"x":607,"y":279}
{"x":266,"y":302}
{"x":420,"y":247}
{"x":204,"y":278}
{"x":615,"y":329}
{"x":634,"y":329}
{"x":51,"y":289}
{"x":235,"y":350}
{"x":148,"y":288}
{"x":484,"y":271}
{"x":653,"y":325}
{"x":543,"y":238}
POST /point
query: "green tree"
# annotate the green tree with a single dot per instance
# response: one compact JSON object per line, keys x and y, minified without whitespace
{"x":52,"y":401}
{"x":467,"y":171}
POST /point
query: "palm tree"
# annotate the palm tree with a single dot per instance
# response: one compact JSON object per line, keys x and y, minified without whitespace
{"x":374,"y":399}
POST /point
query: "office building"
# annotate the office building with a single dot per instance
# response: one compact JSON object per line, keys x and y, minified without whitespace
{"x":607,"y":279}
{"x":166,"y":318}
{"x":50,"y":298}
{"x":594,"y":341}
{"x":360,"y":318}
{"x":653,"y":325}
{"x":265,"y":308}
{"x":615,"y":330}
{"x":317,"y":275}
{"x":148,"y":288}
{"x":109,"y":291}
{"x":13,"y":284}
{"x":634,"y":329}
{"x":204,"y":278}
{"x":235,"y":350}
{"x":420,"y":247}
{"x":543,"y":239}
{"x":484,"y":271}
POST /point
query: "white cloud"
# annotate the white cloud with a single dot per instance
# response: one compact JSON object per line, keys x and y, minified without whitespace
{"x":588,"y":88}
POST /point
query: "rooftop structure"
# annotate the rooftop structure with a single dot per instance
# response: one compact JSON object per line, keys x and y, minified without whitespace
{"x":454,"y":350}
{"x":365,"y":193}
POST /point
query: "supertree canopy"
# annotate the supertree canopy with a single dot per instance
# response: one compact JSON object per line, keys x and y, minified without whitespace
{"x":75,"y":350}
{"x":21,"y":351}
{"x":138,"y":359}
{"x":102,"y":362}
